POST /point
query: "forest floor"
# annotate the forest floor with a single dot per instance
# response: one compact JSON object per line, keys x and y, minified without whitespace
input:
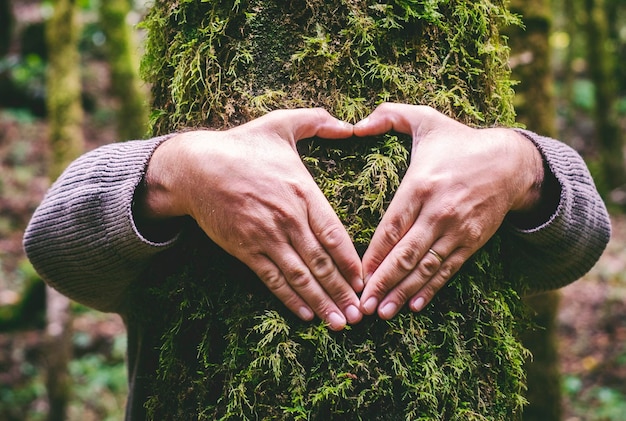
{"x":591,"y":319}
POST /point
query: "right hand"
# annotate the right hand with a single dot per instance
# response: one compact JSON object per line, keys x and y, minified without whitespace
{"x":249,"y":191}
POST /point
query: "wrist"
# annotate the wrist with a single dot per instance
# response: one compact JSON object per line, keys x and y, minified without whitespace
{"x":531,"y":175}
{"x":541,"y":194}
{"x":157,"y":197}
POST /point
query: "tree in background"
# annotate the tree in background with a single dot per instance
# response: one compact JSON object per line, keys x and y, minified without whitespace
{"x":6,"y":26}
{"x":603,"y":74}
{"x":65,"y":118}
{"x":534,"y":103}
{"x":132,"y":115}
{"x":229,"y":349}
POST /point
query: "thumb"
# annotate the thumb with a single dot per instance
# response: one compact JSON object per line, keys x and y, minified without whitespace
{"x":401,"y":118}
{"x":304,"y":123}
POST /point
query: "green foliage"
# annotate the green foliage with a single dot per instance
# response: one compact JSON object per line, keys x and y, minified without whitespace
{"x":228,"y":348}
{"x":29,"y":310}
{"x":100,"y":383}
{"x":599,"y":403}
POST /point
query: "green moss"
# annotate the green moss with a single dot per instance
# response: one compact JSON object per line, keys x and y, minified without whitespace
{"x":229,"y":349}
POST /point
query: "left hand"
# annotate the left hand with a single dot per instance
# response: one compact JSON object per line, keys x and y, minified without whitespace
{"x":459,"y":186}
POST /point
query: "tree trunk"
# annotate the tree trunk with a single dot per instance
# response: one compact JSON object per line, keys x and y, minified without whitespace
{"x":6,"y":26}
{"x":58,"y":354}
{"x":66,"y":140}
{"x":534,"y":103}
{"x":602,"y":69}
{"x":133,"y":105}
{"x":229,"y":349}
{"x":63,"y":86}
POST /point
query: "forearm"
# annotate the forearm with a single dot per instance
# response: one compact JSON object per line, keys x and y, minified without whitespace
{"x":83,"y":239}
{"x":574,"y":230}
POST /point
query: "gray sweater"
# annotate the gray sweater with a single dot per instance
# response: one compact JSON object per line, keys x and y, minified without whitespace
{"x":84,"y":242}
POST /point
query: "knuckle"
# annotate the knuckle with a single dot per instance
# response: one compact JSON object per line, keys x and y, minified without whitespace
{"x":332,"y":236}
{"x":394,"y":231}
{"x":322,"y":265}
{"x":321,"y":112}
{"x":272,"y":279}
{"x":378,"y":289}
{"x":448,"y":212}
{"x":402,"y":295}
{"x":473,"y":233}
{"x":299,"y":278}
{"x":428,"y":266}
{"x":405,"y":259}
{"x":446,"y":271}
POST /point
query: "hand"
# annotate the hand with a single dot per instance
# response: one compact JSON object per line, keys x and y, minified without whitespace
{"x":460,"y":184}
{"x":251,"y":194}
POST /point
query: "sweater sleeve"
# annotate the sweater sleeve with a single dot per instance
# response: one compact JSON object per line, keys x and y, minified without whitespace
{"x":570,"y":242}
{"x":82,"y":238}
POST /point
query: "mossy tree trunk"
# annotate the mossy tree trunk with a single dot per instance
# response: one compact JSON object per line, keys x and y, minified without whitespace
{"x":122,"y":53}
{"x":534,"y":103}
{"x":63,"y":86}
{"x":229,"y":349}
{"x":65,"y":117}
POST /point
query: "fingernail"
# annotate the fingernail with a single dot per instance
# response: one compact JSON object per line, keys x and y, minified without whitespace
{"x":336,"y":321}
{"x":388,"y":310}
{"x":344,"y":124}
{"x":353,"y":314}
{"x":370,"y":305}
{"x":305,"y":313}
{"x":418,"y":304}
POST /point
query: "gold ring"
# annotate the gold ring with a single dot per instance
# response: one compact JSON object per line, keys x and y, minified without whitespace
{"x":437,"y":255}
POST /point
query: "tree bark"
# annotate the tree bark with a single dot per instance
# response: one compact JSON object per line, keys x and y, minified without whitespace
{"x":122,"y":53}
{"x":63,"y":84}
{"x":65,"y":115}
{"x":602,"y":71}
{"x":534,"y":102}
{"x":229,"y":349}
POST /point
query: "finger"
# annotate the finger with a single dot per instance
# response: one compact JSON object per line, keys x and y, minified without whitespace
{"x":301,"y":280}
{"x":401,"y":261}
{"x":401,"y":215}
{"x":430,"y":263}
{"x":447,"y":270}
{"x":326,"y":273}
{"x":332,"y":235}
{"x":272,"y":277}
{"x":328,"y":251}
{"x":387,"y":117}
{"x":402,"y":118}
{"x":304,"y":123}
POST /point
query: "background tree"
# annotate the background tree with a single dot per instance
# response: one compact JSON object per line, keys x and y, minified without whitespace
{"x":229,"y":350}
{"x":132,"y":115}
{"x":535,"y":106}
{"x":6,"y":26}
{"x":602,"y":71}
{"x":65,"y":117}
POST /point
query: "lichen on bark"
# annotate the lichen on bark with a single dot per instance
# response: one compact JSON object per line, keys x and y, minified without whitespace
{"x":229,"y":349}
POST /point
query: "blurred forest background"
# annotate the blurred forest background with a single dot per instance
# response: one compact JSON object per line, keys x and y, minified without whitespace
{"x":569,"y":61}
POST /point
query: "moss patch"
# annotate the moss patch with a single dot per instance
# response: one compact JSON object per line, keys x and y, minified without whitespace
{"x":230,"y":350}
